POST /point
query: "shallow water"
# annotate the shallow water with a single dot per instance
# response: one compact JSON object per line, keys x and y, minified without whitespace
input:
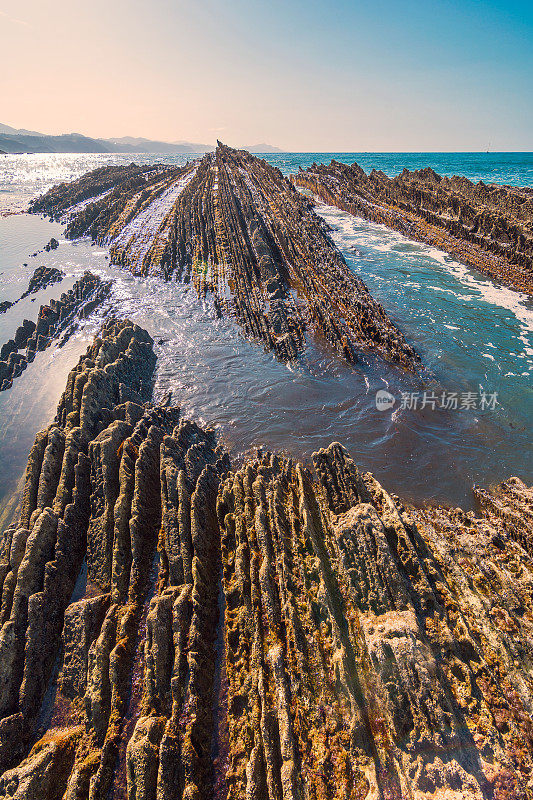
{"x":468,"y":332}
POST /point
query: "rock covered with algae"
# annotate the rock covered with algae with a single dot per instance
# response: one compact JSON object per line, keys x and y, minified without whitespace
{"x":235,"y":228}
{"x":171,"y":628}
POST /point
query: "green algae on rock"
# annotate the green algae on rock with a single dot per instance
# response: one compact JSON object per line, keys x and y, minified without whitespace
{"x":174,"y":629}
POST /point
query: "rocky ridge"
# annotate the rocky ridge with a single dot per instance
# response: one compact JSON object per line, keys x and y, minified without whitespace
{"x":173,"y":629}
{"x":489,"y":227}
{"x":41,"y":278}
{"x":59,"y":315}
{"x":233,"y":226}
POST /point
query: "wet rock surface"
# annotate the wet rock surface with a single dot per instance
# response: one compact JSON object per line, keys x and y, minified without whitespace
{"x":60,"y":316}
{"x":234,"y":227}
{"x":41,"y":278}
{"x":371,"y":650}
{"x":489,"y":227}
{"x":170,"y":628}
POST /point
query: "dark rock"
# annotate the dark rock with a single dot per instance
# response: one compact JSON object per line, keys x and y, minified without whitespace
{"x":24,"y":332}
{"x":235,"y":227}
{"x":43,"y":277}
{"x":8,"y":348}
{"x":486,"y":227}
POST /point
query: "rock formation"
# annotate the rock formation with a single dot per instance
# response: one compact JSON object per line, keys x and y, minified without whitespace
{"x":235,"y":227}
{"x":60,"y":315}
{"x":41,"y":278}
{"x":174,"y":630}
{"x":489,"y":227}
{"x":42,"y":553}
{"x":371,"y":650}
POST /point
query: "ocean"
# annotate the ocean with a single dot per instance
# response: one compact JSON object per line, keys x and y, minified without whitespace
{"x":475,"y":339}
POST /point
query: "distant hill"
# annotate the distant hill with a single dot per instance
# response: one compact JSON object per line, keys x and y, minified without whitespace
{"x":132,"y":144}
{"x":67,"y":143}
{"x":19,"y":140}
{"x":14,"y":131}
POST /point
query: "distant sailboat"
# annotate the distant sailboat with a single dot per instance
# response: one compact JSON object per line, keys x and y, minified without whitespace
{"x":488,"y":148}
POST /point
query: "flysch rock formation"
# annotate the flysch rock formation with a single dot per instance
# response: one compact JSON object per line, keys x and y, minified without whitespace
{"x":41,"y":278}
{"x":173,"y":629}
{"x":115,"y":552}
{"x":488,"y":227}
{"x":58,"y":316}
{"x":373,"y":651}
{"x":235,"y":227}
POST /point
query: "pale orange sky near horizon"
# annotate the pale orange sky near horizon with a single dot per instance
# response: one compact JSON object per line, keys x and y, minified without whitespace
{"x":350,"y":76}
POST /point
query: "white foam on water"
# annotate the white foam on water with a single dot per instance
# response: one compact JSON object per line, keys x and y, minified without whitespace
{"x":383,"y":239}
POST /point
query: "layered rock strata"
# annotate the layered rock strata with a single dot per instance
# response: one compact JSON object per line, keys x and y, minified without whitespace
{"x":41,"y":278}
{"x":235,"y":227}
{"x":58,"y":316}
{"x":489,"y":227}
{"x":372,"y":651}
{"x":42,"y":554}
{"x":110,"y":587}
{"x":296,"y":635}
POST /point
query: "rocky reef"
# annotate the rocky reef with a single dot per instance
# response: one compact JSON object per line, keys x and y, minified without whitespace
{"x":41,"y":278}
{"x":372,"y":650}
{"x":489,"y":227}
{"x":174,"y":629}
{"x":59,"y":316}
{"x":233,"y":226}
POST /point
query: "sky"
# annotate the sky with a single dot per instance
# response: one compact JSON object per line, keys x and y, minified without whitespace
{"x":303,"y":75}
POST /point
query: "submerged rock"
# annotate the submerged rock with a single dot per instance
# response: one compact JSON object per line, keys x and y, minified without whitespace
{"x":489,"y":227}
{"x":87,"y":294}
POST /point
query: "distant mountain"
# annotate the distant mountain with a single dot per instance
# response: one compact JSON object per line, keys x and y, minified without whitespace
{"x":14,"y":131}
{"x":67,"y":143}
{"x":19,"y":140}
{"x":132,"y":144}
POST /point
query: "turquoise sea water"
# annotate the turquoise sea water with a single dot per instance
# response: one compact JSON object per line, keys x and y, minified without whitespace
{"x":473,"y":336}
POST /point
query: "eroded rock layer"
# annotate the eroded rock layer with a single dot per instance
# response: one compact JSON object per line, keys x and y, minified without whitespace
{"x":41,"y":278}
{"x":372,"y":651}
{"x":235,"y":227}
{"x":489,"y":227}
{"x":58,"y":316}
{"x":171,"y":629}
{"x":95,"y":637}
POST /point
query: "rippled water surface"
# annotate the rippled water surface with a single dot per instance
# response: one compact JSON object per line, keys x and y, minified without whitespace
{"x":472,"y":336}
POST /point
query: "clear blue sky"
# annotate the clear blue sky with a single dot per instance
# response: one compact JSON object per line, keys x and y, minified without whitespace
{"x":303,"y":75}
